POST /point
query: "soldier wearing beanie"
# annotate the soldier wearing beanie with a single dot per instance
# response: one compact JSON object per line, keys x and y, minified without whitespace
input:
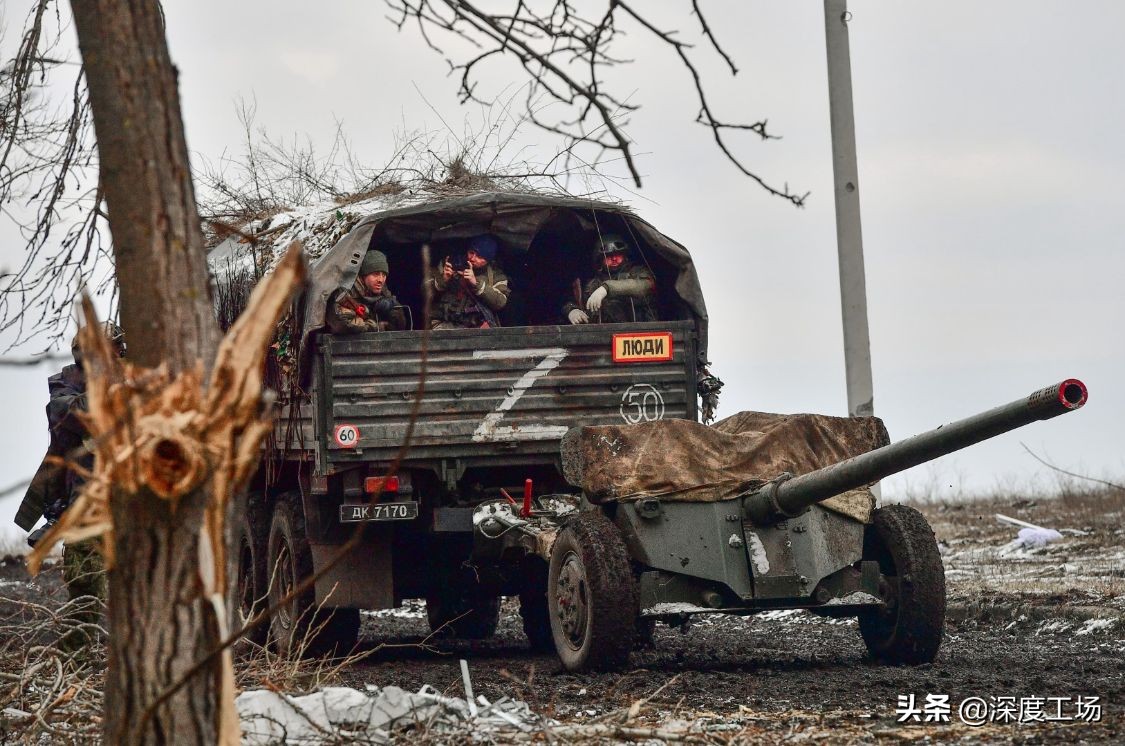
{"x":368,"y":306}
{"x":470,"y":289}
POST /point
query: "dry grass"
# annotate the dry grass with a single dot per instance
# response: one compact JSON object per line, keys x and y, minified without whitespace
{"x":262,"y":667}
{"x":1078,"y":578}
{"x":389,"y":189}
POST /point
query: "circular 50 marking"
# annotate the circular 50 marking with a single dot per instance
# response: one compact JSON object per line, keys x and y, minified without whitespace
{"x":346,"y":436}
{"x":641,"y":403}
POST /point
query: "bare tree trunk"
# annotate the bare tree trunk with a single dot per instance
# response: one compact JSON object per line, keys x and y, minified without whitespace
{"x":157,"y":241}
{"x":159,"y":621}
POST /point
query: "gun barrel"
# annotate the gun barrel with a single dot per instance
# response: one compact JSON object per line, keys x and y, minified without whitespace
{"x":780,"y":499}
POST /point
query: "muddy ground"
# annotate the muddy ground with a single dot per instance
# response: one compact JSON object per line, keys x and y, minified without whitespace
{"x":1022,"y":623}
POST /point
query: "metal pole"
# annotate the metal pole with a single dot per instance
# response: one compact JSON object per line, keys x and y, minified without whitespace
{"x":849,"y":236}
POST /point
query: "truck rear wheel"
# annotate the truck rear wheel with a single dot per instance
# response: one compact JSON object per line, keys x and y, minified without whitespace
{"x":299,"y":626}
{"x":591,"y":595}
{"x":454,"y":611}
{"x":909,"y":628}
{"x":251,"y":547}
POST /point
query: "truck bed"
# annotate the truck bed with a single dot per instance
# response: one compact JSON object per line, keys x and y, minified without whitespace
{"x":509,"y":392}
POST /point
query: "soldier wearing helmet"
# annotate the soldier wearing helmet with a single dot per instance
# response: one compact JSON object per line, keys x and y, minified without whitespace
{"x":114,"y":333}
{"x":620,"y":290}
{"x":369,"y":305}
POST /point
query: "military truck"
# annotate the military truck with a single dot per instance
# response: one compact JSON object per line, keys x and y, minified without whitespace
{"x":402,"y":435}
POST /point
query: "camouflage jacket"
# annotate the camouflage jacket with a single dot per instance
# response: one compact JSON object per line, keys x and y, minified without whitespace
{"x":456,"y":303}
{"x":630,"y":295}
{"x":53,"y":487}
{"x":353,"y":311}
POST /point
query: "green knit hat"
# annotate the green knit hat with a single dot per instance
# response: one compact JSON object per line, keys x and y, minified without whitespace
{"x":374,"y":261}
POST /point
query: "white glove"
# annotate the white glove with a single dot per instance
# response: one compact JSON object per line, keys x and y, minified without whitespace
{"x":578,"y":316}
{"x":594,"y":304}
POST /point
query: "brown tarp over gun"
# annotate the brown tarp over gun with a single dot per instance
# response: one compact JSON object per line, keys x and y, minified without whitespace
{"x":684,"y":461}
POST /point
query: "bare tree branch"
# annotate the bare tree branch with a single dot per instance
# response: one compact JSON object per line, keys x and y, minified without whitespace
{"x":564,"y":55}
{"x":47,"y":163}
{"x":37,"y":360}
{"x":711,"y":37}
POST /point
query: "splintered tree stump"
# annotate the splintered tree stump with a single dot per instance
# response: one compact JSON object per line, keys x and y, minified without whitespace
{"x":169,"y":453}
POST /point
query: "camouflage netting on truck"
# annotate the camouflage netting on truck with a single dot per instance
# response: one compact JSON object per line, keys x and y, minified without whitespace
{"x":683,"y":461}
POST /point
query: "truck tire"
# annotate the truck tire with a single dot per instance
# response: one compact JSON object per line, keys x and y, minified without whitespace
{"x":453,"y":611}
{"x":591,"y":595}
{"x":299,"y":627}
{"x":252,"y":542}
{"x":909,"y":629}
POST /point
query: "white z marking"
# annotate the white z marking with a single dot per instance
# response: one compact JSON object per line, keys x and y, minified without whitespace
{"x":490,"y":428}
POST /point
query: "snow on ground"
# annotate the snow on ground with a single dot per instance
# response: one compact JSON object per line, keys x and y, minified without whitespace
{"x":13,"y":543}
{"x":412,"y":608}
{"x":337,"y":714}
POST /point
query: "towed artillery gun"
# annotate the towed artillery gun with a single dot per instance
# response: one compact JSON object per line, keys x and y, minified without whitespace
{"x":620,"y":561}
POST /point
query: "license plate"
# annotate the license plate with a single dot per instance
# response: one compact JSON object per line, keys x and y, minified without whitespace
{"x":378,"y":512}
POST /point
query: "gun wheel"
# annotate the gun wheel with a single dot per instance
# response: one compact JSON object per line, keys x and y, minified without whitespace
{"x":591,"y":595}
{"x":908,"y":629}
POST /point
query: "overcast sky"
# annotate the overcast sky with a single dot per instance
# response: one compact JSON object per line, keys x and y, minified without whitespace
{"x":990,"y":156}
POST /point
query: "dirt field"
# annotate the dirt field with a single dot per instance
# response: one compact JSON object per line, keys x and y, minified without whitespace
{"x":1031,"y":624}
{"x":1022,"y":623}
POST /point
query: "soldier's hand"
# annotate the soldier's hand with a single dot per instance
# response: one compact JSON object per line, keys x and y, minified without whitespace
{"x":469,"y":276}
{"x":446,"y":270}
{"x":594,"y":304}
{"x":578,"y":316}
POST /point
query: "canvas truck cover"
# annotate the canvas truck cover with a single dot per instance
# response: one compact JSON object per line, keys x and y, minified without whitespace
{"x":514,"y":218}
{"x":683,"y":461}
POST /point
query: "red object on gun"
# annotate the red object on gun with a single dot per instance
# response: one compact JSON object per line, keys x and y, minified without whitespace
{"x":526,"y":511}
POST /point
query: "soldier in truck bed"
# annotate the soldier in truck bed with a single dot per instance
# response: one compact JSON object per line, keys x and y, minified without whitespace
{"x":469,"y":295}
{"x":620,"y":290}
{"x":368,"y":306}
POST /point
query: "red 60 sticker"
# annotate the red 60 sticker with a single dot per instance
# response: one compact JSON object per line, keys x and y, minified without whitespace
{"x":346,"y":436}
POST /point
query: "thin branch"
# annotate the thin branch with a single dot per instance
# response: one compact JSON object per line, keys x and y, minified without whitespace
{"x":564,"y":56}
{"x":1049,"y":465}
{"x":36,"y":360}
{"x":22,"y":484}
{"x":711,"y":37}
